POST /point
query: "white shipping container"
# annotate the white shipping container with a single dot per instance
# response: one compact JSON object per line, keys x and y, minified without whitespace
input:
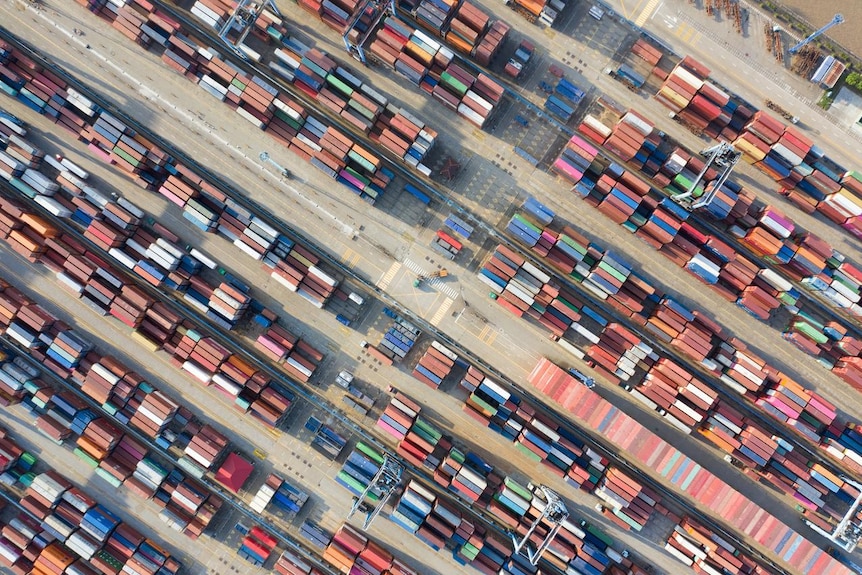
{"x":70,"y":282}
{"x":122,"y":257}
{"x":226,"y":384}
{"x":644,"y":399}
{"x":9,"y":552}
{"x":11,"y":162}
{"x":252,"y":119}
{"x":639,"y":124}
{"x":204,"y":259}
{"x":490,"y":283}
{"x":40,"y":182}
{"x":322,"y":276}
{"x":471,"y":115}
{"x":247,"y":250}
{"x":197,"y":372}
{"x":694,"y":550}
{"x":287,"y":59}
{"x":18,"y":130}
{"x":596,"y":125}
{"x":260,"y":240}
{"x":774,"y":280}
{"x":105,"y":373}
{"x":285,"y":282}
{"x":687,"y":78}
{"x":205,"y":17}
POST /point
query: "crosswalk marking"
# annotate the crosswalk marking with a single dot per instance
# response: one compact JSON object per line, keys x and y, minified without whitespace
{"x":351,"y":258}
{"x":383,"y":283}
{"x":441,"y":312}
{"x":436,"y":282}
{"x":646,"y":13}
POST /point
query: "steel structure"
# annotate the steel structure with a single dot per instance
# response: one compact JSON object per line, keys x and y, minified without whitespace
{"x":723,"y":156}
{"x":556,"y":513}
{"x":386,"y":480}
{"x":836,"y":20}
{"x":847,"y":533}
{"x":265,"y":157}
{"x":379,"y":9}
{"x":244,"y":17}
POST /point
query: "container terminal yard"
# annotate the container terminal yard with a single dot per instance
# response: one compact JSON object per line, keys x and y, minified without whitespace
{"x":426,"y":287}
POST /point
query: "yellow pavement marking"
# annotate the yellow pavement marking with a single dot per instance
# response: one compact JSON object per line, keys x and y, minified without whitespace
{"x":383,"y":283}
{"x":687,"y":34}
{"x":492,"y":336}
{"x":646,"y":13}
{"x":441,"y":311}
{"x":488,"y":335}
{"x":350,"y":258}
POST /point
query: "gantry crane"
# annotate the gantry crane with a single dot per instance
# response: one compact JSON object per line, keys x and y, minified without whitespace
{"x":556,"y":513}
{"x":243,"y":18}
{"x":375,"y":10}
{"x":847,"y":533}
{"x":836,"y":20}
{"x":385,"y":481}
{"x":724,"y":156}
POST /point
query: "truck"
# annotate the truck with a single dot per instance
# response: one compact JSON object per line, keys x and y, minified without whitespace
{"x":627,"y":75}
{"x":519,"y":60}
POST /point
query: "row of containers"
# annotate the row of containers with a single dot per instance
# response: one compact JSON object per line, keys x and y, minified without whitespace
{"x":683,"y":399}
{"x":120,"y":460}
{"x":564,"y":99}
{"x":779,"y":238}
{"x":350,"y":551}
{"x":433,"y":67}
{"x":252,"y":97}
{"x":579,"y":547}
{"x":757,"y":289}
{"x":761,"y":229}
{"x":742,"y":515}
{"x":812,"y":180}
{"x":471,"y":478}
{"x":397,"y":340}
{"x":337,"y":88}
{"x":64,"y":530}
{"x":109,"y":222}
{"x":125,"y":395}
{"x":435,"y":365}
{"x":463,"y":25}
{"x":421,"y":58}
{"x":155,"y":254}
{"x":84,"y":272}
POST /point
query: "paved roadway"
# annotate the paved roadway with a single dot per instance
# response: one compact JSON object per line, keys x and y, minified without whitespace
{"x":288,"y":453}
{"x":370,"y":252}
{"x":491,"y":184}
{"x":199,"y":557}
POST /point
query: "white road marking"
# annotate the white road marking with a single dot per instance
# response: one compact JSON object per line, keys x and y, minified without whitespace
{"x":438,"y":285}
{"x":384,"y":281}
{"x":646,"y":12}
{"x":153,"y":95}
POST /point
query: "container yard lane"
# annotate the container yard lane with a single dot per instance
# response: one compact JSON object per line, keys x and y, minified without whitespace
{"x":488,"y":334}
{"x":485,"y":186}
{"x":449,"y":414}
{"x":484,"y":333}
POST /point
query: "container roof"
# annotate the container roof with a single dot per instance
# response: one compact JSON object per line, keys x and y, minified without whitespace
{"x":234,"y":472}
